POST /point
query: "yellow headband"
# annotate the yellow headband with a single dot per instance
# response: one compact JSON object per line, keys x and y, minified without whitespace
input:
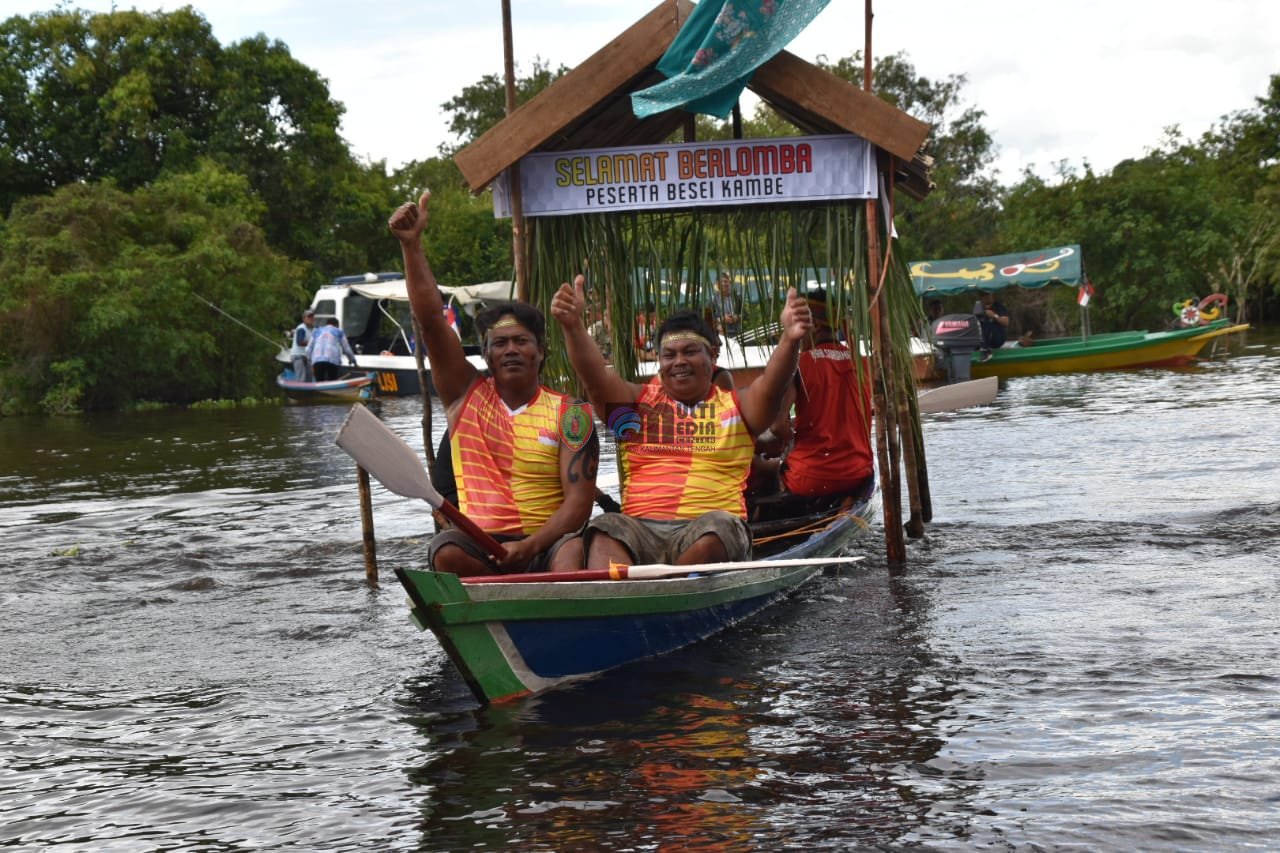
{"x":685,"y":336}
{"x":504,"y":321}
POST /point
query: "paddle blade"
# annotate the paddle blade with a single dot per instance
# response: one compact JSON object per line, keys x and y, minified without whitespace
{"x":378,"y":450}
{"x":394,"y":464}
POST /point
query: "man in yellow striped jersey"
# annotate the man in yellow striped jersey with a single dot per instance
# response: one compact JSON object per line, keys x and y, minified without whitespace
{"x":521,"y":475}
{"x":686,"y":444}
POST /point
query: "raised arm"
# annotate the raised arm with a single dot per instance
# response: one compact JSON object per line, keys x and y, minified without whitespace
{"x":761,"y":401}
{"x":602,"y":384}
{"x":451,"y":373}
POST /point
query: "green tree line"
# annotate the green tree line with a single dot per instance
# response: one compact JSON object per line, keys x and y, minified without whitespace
{"x":148,"y":172}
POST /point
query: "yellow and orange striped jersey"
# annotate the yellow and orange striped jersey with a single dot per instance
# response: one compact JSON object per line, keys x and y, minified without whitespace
{"x":686,"y":460}
{"x":507,"y":464}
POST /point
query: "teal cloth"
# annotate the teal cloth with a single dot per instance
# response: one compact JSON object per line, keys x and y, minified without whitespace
{"x":712,"y":58}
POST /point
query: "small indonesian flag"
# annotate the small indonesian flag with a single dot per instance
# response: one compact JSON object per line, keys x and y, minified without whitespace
{"x":1085,"y":294}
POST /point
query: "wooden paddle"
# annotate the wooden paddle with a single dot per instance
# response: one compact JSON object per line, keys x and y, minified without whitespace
{"x":396,"y":466}
{"x":649,"y":571}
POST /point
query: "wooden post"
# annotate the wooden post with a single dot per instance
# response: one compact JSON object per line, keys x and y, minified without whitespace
{"x":366,"y":528}
{"x":882,"y":363}
{"x":908,"y":407}
{"x":885,"y":401}
{"x":518,"y":243}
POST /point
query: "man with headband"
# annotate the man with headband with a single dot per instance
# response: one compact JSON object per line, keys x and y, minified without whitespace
{"x":517,"y":477}
{"x":686,"y":444}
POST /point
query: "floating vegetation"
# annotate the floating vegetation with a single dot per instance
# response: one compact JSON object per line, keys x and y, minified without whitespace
{"x":242,"y":403}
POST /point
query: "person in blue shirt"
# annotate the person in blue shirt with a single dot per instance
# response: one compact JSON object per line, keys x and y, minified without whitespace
{"x":328,"y":345}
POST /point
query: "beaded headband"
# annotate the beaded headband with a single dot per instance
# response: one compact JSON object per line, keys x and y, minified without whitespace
{"x":686,"y":336}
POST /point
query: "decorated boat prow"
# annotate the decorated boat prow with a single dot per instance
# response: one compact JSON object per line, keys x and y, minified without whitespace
{"x":526,"y":635}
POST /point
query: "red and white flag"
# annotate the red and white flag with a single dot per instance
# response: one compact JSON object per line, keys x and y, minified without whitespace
{"x":1084,"y":294}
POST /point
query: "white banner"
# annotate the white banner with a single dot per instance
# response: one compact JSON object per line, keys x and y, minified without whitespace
{"x":692,"y":174}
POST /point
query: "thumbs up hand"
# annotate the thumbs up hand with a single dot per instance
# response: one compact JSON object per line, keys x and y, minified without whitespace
{"x":569,"y":303}
{"x":796,"y":319}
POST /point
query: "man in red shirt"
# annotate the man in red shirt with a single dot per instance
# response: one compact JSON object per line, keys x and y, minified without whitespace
{"x":832,"y":451}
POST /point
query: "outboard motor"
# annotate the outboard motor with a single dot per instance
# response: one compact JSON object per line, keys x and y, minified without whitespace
{"x":957,"y":336}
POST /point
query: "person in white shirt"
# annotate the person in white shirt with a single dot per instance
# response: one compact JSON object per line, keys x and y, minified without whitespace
{"x":298,"y":350}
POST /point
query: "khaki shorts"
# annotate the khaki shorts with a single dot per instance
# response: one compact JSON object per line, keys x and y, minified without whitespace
{"x":652,"y":541}
{"x":466,"y":543}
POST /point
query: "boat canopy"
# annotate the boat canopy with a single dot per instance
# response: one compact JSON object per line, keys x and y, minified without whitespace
{"x":466,"y":294}
{"x":1042,"y":267}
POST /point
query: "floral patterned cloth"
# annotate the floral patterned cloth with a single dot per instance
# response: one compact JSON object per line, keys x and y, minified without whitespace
{"x":717,"y":50}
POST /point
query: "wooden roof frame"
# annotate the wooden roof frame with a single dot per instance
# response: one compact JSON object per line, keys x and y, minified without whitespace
{"x":590,"y":107}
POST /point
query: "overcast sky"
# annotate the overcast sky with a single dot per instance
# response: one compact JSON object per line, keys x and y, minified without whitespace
{"x":1083,"y":81}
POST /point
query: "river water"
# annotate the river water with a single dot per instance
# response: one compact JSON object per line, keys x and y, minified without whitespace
{"x":1081,"y":654}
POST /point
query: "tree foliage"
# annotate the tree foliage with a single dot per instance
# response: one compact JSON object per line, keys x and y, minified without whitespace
{"x":467,"y":244}
{"x":143,"y":164}
{"x":1187,"y":220}
{"x":483,"y":104}
{"x":131,"y":96}
{"x":103,"y":293}
{"x":959,"y":218}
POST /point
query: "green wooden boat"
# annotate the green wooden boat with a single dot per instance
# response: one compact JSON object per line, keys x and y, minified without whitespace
{"x":1108,"y":351}
{"x":531,"y":633}
{"x":1202,"y":322}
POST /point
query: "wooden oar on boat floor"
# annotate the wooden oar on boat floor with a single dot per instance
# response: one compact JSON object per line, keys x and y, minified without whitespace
{"x":658,"y":570}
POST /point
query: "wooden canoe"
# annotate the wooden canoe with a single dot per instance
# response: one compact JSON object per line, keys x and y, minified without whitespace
{"x":348,"y":389}
{"x":512,"y":639}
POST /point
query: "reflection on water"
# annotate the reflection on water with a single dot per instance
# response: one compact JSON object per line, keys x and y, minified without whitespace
{"x":190,"y":657}
{"x":692,"y":753}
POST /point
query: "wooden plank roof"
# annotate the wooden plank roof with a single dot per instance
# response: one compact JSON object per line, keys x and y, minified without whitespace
{"x":590,"y":107}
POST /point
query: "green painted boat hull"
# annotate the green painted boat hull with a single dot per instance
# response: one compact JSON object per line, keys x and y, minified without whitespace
{"x":1111,"y":351}
{"x":514,"y":639}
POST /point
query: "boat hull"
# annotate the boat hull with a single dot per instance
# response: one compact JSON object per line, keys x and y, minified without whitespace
{"x":394,"y":375}
{"x":958,"y":395}
{"x":346,"y":390}
{"x":513,"y":639}
{"x":1115,"y":351}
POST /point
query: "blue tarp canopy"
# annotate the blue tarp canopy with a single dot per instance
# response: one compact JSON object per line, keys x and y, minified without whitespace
{"x":1040,"y":268}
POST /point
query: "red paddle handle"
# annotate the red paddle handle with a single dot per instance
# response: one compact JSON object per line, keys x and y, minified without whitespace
{"x":469,"y":527}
